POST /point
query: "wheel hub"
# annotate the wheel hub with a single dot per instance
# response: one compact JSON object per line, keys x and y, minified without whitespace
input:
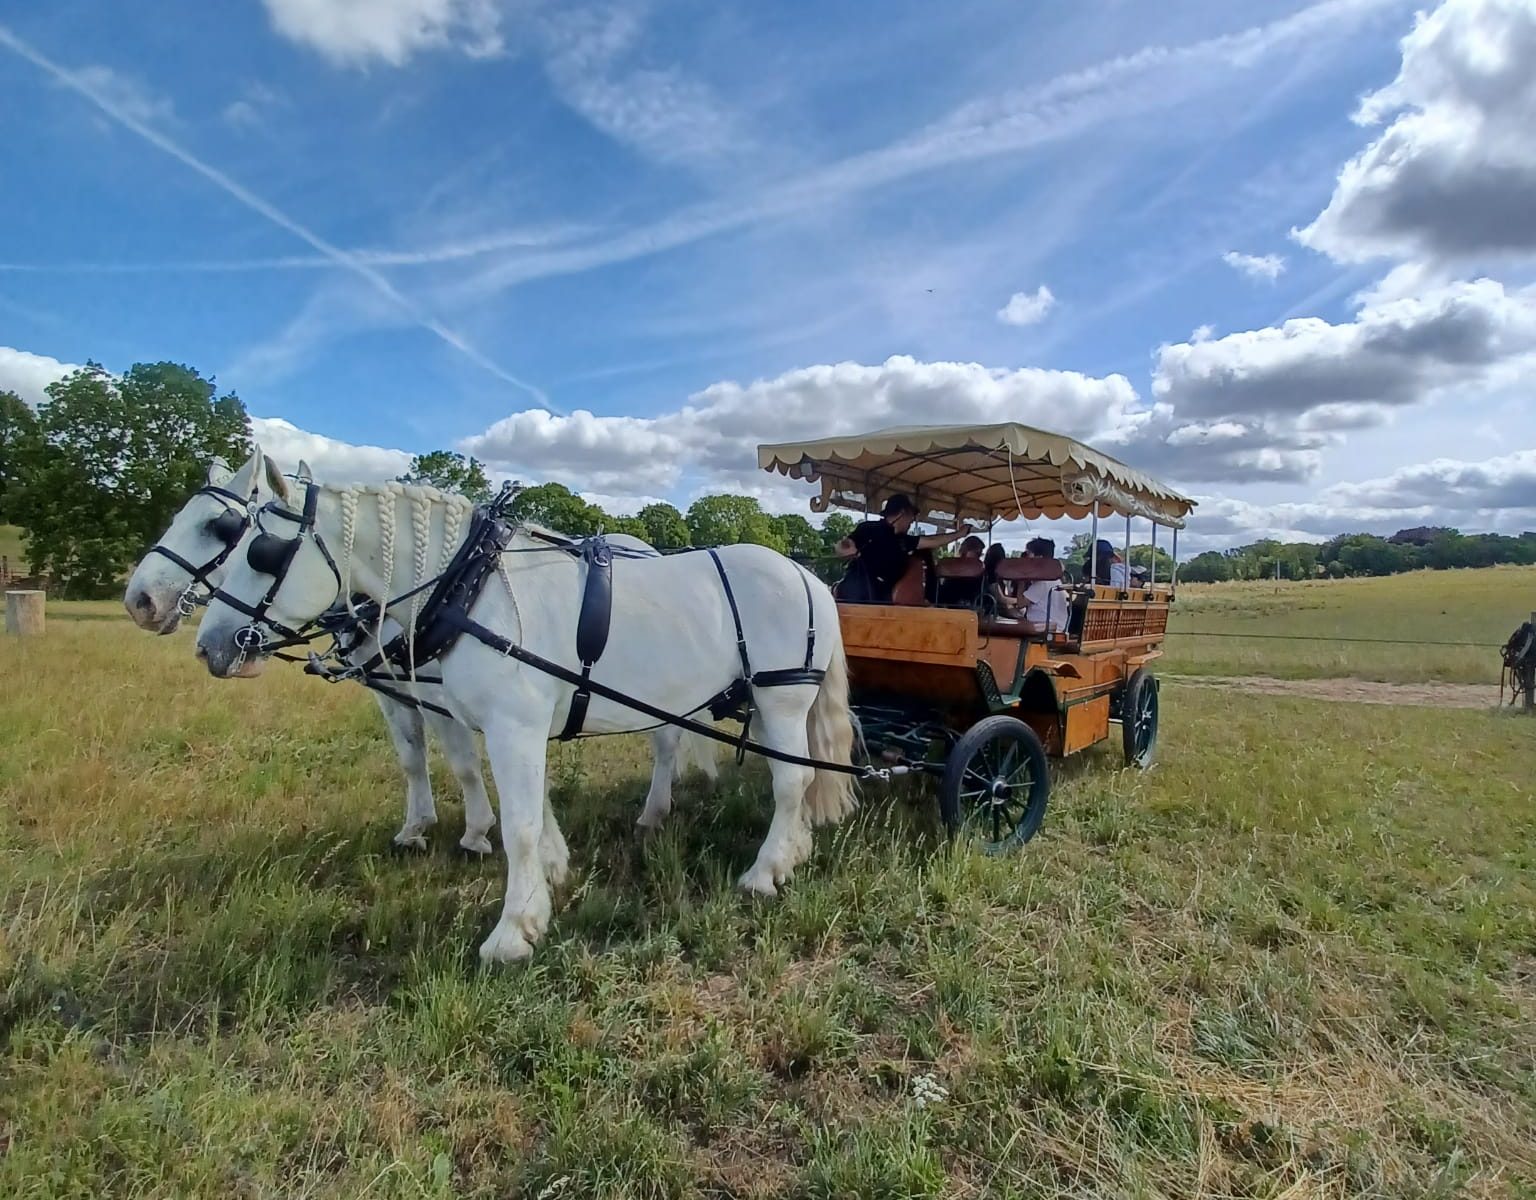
{"x":997,"y":793}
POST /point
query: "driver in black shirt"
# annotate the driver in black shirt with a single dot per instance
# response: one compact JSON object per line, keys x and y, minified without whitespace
{"x":881,"y":550}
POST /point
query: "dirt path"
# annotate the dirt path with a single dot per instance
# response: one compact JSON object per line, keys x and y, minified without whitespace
{"x":1355,"y":691}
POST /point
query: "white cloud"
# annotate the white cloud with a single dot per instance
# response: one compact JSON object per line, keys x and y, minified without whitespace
{"x":356,"y":32}
{"x":659,"y":112}
{"x":1255,"y":266}
{"x":128,"y":95}
{"x":1506,"y":482}
{"x":332,"y":459}
{"x":1397,"y":353}
{"x":1453,"y":176}
{"x":1027,"y":308}
{"x":29,"y":374}
{"x":718,"y":429}
{"x":251,"y":108}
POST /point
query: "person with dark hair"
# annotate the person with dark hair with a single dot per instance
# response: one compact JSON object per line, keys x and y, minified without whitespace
{"x":1104,"y":566}
{"x":881,"y":549}
{"x":994,"y":595}
{"x":1045,"y":601}
{"x":958,"y":592}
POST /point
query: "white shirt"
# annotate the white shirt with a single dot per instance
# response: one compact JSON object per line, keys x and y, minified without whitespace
{"x":1117,"y":577}
{"x":1046,"y":604}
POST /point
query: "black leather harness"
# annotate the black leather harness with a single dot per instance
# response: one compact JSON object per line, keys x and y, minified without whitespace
{"x":445,"y":617}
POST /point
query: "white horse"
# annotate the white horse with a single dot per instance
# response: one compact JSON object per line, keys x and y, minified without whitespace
{"x":195,"y":549}
{"x":673,"y":644}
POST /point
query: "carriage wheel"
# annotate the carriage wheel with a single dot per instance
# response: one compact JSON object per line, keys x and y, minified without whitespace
{"x":1138,"y":718}
{"x":996,"y":782}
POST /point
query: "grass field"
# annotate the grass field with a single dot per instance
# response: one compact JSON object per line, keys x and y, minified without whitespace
{"x":1298,"y":959}
{"x":1426,"y":606}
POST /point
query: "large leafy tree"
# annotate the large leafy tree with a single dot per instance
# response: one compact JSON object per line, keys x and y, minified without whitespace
{"x":664,"y":526}
{"x":450,"y":471}
{"x":111,"y":461}
{"x":559,"y":508}
{"x":725,"y":520}
{"x":799,"y":536}
{"x":18,"y":432}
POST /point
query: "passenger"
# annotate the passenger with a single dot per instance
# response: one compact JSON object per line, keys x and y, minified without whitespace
{"x":962,"y":592}
{"x":1046,"y":606}
{"x":1106,"y":566}
{"x":881,"y":550}
{"x":999,"y":600}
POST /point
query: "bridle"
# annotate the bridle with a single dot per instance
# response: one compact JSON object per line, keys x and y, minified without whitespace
{"x":229,"y":527}
{"x":271,"y":555}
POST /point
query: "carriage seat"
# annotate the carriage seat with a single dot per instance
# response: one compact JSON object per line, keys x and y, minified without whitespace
{"x":957,"y":582}
{"x":1028,"y":570}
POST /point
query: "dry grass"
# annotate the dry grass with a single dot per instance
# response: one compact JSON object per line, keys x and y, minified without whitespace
{"x":1298,"y":959}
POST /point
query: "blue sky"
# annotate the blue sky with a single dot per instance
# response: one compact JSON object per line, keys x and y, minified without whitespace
{"x":618,"y":244}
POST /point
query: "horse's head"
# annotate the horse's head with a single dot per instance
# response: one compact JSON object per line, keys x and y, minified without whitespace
{"x":279,"y":579}
{"x":191,"y":556}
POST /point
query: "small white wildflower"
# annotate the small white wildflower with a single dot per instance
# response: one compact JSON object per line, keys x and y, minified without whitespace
{"x":927,"y":1090}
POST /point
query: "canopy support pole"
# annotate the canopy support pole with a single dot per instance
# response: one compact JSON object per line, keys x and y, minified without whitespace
{"x":1153,"y":579}
{"x":1125,"y":567}
{"x":1173,"y":582}
{"x":1093,"y":550}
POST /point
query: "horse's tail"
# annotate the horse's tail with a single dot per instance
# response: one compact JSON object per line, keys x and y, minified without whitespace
{"x":695,"y":750}
{"x":829,"y":732}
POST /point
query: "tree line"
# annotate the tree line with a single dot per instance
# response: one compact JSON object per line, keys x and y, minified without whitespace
{"x":1434,"y":548}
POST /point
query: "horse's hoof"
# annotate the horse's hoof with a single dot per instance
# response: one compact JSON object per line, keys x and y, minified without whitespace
{"x":505,"y":945}
{"x":414,"y":842}
{"x":759,"y":882}
{"x":476,"y":845}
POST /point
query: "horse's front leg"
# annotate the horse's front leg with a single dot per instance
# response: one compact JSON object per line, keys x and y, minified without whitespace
{"x":463,"y":754}
{"x":517,"y":761}
{"x":409,"y":736}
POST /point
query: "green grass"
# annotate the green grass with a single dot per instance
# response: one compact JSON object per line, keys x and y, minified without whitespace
{"x":1483,"y":606}
{"x":1297,"y":959}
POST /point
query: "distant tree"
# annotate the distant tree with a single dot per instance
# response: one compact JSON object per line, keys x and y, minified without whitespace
{"x":664,"y":527}
{"x":799,"y":536}
{"x":113,"y":458}
{"x":1419,"y":535}
{"x":834,"y":529}
{"x":725,"y":520}
{"x":1141,"y":556}
{"x":18,"y":433}
{"x":633,"y":526}
{"x":1210,"y":567}
{"x":559,"y":508}
{"x":451,"y":472}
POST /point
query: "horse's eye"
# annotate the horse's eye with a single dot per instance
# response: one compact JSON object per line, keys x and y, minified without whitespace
{"x":268,"y":554}
{"x":228,"y":526}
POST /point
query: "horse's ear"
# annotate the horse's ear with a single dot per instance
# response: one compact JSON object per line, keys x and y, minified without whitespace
{"x":243,"y":482}
{"x":305,"y":475}
{"x":218,"y":472}
{"x":275,"y":480}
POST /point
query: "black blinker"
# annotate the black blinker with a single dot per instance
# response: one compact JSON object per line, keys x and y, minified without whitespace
{"x":269,"y":554}
{"x":228,"y":526}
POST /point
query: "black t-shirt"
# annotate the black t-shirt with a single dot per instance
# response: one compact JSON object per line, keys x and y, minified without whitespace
{"x":884,"y":553}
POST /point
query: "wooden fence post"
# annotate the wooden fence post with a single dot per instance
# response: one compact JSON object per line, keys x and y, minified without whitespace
{"x":24,"y":613}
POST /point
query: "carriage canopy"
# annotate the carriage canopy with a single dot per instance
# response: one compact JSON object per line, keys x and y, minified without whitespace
{"x":974,"y":472}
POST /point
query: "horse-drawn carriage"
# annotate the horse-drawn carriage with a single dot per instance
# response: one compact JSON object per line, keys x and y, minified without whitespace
{"x":980,"y":700}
